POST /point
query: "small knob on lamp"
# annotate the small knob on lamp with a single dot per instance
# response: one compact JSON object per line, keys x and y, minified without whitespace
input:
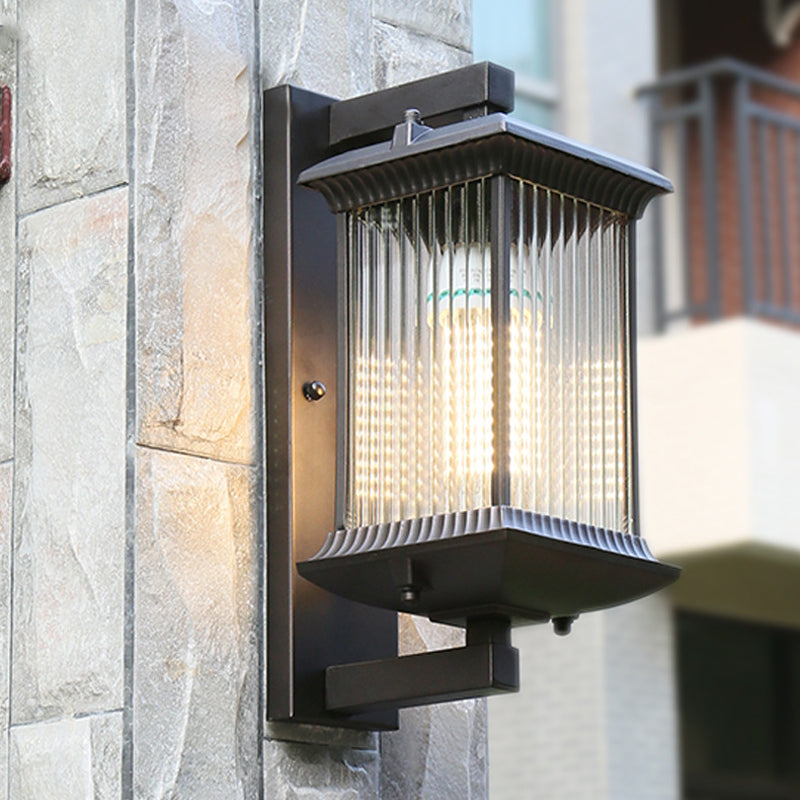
{"x":314,"y":390}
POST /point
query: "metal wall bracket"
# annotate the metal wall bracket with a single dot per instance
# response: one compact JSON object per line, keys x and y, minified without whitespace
{"x":308,"y":629}
{"x":487,"y":665}
{"x":473,"y":91}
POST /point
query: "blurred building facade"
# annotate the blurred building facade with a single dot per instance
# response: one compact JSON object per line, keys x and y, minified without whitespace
{"x":693,"y":694}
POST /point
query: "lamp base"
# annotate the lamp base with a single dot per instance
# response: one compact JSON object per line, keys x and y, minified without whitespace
{"x":495,"y":561}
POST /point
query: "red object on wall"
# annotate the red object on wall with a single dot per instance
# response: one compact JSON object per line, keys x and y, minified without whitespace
{"x":5,"y":133}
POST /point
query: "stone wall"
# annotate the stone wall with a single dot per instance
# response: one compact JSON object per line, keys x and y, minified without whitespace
{"x":7,"y":320}
{"x":68,"y":203}
{"x":131,"y":628}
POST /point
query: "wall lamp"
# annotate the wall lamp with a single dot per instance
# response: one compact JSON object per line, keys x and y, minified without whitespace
{"x":450,"y":383}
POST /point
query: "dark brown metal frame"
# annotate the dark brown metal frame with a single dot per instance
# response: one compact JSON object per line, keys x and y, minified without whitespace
{"x":304,"y":623}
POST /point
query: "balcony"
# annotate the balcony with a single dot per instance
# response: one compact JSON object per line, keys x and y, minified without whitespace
{"x":719,"y":429}
{"x":728,"y":242}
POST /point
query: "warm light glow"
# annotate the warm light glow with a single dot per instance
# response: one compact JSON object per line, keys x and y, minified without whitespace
{"x":457,"y":402}
{"x":421,"y":417}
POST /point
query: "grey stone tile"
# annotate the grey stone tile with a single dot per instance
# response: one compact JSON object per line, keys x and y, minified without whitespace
{"x":70,"y":462}
{"x":448,"y":21}
{"x":4,"y":773}
{"x":195,"y":655}
{"x":106,"y":745}
{"x":71,"y":759}
{"x":71,"y":100}
{"x":6,"y":483}
{"x":401,"y":55}
{"x":294,"y":771}
{"x":8,"y":43}
{"x":8,"y":256}
{"x":418,"y":634}
{"x":439,"y":751}
{"x":8,"y":263}
{"x":194,"y":153}
{"x":317,"y":734}
{"x":323,"y":45}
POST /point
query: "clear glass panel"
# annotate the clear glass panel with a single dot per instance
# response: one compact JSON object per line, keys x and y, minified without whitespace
{"x":419,"y":358}
{"x":420,"y":419}
{"x":569,"y":444}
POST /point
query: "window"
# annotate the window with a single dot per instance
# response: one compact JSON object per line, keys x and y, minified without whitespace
{"x":518,"y":34}
{"x":740,"y":709}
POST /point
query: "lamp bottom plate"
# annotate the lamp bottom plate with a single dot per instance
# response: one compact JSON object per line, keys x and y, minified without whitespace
{"x":493,"y":561}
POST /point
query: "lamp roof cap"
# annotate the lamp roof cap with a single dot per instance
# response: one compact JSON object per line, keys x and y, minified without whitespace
{"x":495,"y":144}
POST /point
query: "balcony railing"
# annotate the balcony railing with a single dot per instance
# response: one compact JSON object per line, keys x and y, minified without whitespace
{"x":728,"y":241}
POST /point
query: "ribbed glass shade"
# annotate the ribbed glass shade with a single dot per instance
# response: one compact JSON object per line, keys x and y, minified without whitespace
{"x":422,"y":386}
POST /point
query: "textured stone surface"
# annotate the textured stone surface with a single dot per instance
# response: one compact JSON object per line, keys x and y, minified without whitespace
{"x":418,"y":634}
{"x":6,"y":480}
{"x":195,"y":669}
{"x":6,"y":483}
{"x":323,"y":45}
{"x":4,"y":767}
{"x":73,"y":759}
{"x":346,"y":48}
{"x":439,"y":751}
{"x":294,"y":771}
{"x":194,"y":226}
{"x":448,"y":21}
{"x":401,"y":55}
{"x":338,"y":48}
{"x":70,"y":478}
{"x":71,"y":101}
{"x":343,"y":738}
{"x":7,"y":284}
{"x":8,"y":76}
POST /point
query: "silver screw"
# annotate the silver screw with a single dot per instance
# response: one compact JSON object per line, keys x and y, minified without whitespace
{"x":409,"y":594}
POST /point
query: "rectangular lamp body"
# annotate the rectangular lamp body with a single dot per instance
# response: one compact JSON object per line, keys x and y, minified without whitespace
{"x":474,"y":459}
